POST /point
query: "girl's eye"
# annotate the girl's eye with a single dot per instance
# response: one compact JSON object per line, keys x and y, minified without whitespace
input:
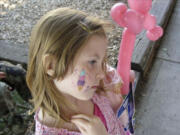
{"x":92,"y":62}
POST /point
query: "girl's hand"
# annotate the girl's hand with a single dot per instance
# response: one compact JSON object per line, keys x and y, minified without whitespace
{"x":113,"y":92}
{"x":89,"y":125}
{"x":132,"y":76}
{"x":115,"y":99}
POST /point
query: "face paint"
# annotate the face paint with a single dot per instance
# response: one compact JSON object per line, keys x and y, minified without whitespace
{"x":81,"y":80}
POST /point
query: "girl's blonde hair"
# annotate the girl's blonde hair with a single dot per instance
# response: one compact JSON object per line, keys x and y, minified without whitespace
{"x":61,"y":33}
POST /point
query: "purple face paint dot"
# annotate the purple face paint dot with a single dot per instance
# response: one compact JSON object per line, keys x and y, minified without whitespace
{"x":82,"y":78}
{"x":81,"y":82}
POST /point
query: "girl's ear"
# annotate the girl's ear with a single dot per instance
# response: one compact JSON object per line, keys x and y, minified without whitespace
{"x":49,"y":64}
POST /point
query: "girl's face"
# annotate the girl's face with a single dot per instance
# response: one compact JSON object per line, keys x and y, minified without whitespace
{"x":87,"y":72}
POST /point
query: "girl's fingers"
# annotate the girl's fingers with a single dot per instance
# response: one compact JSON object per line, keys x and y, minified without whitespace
{"x":132,"y":75}
{"x":82,"y":116}
{"x":81,"y":129}
{"x":80,"y":123}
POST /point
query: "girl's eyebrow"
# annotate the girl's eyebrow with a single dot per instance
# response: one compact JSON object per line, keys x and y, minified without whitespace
{"x":95,"y":55}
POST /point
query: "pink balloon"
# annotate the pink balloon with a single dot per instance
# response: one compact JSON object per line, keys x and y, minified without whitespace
{"x":124,"y":58}
{"x":149,"y":22}
{"x":142,"y":6}
{"x":117,"y":13}
{"x":154,"y":33}
{"x":133,"y":21}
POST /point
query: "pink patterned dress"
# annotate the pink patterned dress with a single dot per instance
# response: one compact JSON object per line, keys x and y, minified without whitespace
{"x":102,"y":109}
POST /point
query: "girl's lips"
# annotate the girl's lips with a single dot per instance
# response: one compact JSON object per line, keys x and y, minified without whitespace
{"x":94,"y":87}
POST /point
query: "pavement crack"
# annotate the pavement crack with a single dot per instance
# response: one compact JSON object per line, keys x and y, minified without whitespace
{"x":169,"y":60}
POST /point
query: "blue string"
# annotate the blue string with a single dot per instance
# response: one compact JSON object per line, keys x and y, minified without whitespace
{"x":128,"y":104}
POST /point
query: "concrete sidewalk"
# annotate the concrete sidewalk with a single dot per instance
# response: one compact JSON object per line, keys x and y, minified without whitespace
{"x":158,"y":101}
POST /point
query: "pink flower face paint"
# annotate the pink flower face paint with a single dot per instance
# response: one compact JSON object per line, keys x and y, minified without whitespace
{"x":81,"y":80}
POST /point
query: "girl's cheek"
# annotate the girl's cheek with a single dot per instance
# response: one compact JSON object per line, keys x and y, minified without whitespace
{"x":89,"y":77}
{"x":84,"y":78}
{"x":75,"y":78}
{"x":90,"y":74}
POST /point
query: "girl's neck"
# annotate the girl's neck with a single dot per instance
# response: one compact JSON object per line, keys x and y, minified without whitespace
{"x":81,"y":105}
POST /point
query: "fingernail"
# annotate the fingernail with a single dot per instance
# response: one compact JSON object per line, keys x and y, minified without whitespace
{"x":74,"y":116}
{"x":73,"y":121}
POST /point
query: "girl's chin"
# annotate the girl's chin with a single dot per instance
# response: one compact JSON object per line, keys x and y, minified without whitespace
{"x":90,"y":89}
{"x":88,"y":95}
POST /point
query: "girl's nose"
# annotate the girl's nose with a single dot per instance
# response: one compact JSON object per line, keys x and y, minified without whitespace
{"x":100,"y":74}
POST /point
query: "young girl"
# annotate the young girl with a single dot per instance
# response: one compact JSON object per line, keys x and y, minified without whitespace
{"x":74,"y":91}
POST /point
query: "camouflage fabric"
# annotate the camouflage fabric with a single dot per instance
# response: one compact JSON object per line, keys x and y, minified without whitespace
{"x":15,"y":78}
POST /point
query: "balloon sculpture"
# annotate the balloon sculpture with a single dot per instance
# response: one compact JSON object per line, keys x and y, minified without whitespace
{"x":134,"y":20}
